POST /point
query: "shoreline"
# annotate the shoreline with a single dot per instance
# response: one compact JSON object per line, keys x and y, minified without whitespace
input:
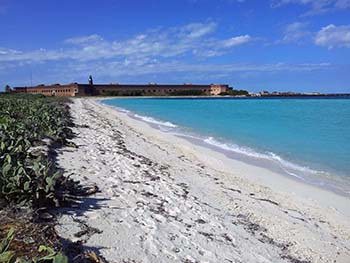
{"x":220,"y":196}
{"x":326,"y":96}
{"x":270,"y":178}
{"x":316,"y":178}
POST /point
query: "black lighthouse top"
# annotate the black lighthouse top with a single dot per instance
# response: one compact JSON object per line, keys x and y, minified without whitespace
{"x":91,"y":82}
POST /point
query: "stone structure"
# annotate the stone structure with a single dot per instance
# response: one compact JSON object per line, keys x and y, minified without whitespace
{"x":69,"y":90}
{"x":76,"y":89}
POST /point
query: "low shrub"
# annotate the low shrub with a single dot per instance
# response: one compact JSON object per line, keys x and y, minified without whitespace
{"x":29,"y":124}
{"x":234,"y":92}
{"x":9,"y":256}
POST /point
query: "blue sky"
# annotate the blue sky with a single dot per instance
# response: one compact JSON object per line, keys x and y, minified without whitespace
{"x":298,"y":45}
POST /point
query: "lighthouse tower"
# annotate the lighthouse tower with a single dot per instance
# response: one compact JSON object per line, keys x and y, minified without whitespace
{"x":91,"y":82}
{"x":90,"y":89}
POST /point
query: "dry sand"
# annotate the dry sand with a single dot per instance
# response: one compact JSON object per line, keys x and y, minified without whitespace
{"x":163,"y":199}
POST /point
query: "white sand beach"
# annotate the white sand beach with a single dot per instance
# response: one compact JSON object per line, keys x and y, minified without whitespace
{"x":164,"y":199}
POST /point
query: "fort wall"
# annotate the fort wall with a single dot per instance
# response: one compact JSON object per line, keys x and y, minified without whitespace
{"x":76,"y":89}
{"x":69,"y":90}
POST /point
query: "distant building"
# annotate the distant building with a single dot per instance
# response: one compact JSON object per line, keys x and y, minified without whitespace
{"x":51,"y":90}
{"x":152,"y":89}
{"x":264,"y":93}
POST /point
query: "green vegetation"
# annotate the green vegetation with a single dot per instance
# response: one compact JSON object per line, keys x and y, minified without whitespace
{"x":31,"y":127}
{"x":235,"y":92}
{"x":27,"y":175}
{"x":9,"y":256}
{"x":187,"y":93}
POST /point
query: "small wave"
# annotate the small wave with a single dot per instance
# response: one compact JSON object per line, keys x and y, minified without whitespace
{"x":116,"y":108}
{"x":123,"y":110}
{"x":234,"y":148}
{"x":293,"y":166}
{"x":146,"y":118}
{"x":154,"y":121}
{"x":287,"y":166}
{"x":303,"y":173}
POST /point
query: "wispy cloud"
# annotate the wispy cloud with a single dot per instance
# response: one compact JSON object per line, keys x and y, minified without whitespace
{"x":183,"y":50}
{"x":295,"y":33}
{"x":332,"y":36}
{"x":236,"y":41}
{"x":122,"y":69}
{"x":83,"y":40}
{"x":317,"y":7}
{"x":193,"y":39}
{"x":197,"y":30}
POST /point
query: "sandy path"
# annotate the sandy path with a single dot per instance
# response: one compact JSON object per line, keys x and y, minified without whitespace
{"x":159,"y":203}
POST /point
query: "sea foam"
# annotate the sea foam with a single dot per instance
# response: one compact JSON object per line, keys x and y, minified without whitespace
{"x":290,"y":137}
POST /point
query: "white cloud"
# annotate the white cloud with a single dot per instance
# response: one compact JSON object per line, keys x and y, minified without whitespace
{"x":158,"y":51}
{"x":342,"y":4}
{"x":119,"y":69}
{"x":83,"y":40}
{"x":192,"y":39}
{"x":6,"y":51}
{"x":316,"y":6}
{"x":198,"y":30}
{"x":236,"y":41}
{"x":332,"y":36}
{"x":295,"y":33}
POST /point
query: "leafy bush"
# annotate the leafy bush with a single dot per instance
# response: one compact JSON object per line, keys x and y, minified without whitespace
{"x":8,"y":256}
{"x":25,"y":121}
{"x":5,"y":254}
{"x":235,"y":92}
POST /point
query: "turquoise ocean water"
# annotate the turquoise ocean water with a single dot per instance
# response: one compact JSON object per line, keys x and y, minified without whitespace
{"x":307,"y":139}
